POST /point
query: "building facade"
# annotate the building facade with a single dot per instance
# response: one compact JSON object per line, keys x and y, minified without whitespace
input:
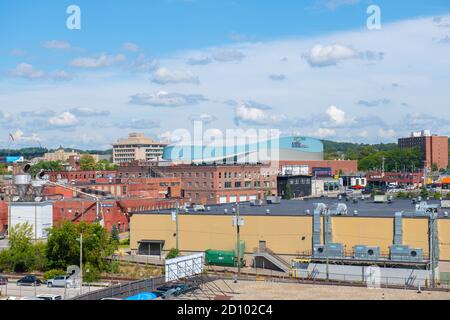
{"x":137,"y":147}
{"x":219,"y":184}
{"x":434,"y":148}
{"x":300,"y":186}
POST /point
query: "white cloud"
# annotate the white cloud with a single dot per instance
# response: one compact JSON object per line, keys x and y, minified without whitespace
{"x":88,"y":112}
{"x":337,"y":116}
{"x":250,"y":113}
{"x":277,"y":77}
{"x":101,"y":61}
{"x":204,"y":117}
{"x":143,"y":64}
{"x":65,"y":119}
{"x":387,"y":133}
{"x":57,"y":44}
{"x":19,"y":136}
{"x":331,"y":55}
{"x":199,"y":61}
{"x":129,"y":46}
{"x":26,"y":70}
{"x":324,"y":133}
{"x":165,"y":99}
{"x":166,"y":76}
{"x":228,"y":56}
{"x":334,"y":4}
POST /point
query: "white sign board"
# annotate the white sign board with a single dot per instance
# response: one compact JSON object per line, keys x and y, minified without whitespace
{"x":183,"y":267}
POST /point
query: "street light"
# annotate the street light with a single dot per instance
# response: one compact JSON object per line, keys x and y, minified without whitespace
{"x":81,"y":262}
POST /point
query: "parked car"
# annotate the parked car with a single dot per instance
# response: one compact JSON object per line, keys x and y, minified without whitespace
{"x":3,"y":281}
{"x":29,"y":281}
{"x":31,"y":298}
{"x":61,"y":281}
{"x":49,"y":297}
{"x":2,"y":236}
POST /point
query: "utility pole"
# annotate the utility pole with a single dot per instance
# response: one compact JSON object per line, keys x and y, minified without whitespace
{"x":238,"y":240}
{"x":382,"y":168}
{"x":326,"y":220}
{"x":81,"y":263}
{"x":177,"y":211}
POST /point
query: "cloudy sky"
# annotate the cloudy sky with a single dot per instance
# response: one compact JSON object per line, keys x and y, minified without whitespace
{"x":305,"y":67}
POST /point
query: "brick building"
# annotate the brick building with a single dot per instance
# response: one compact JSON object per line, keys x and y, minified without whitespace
{"x":308,"y":167}
{"x":216,"y":184}
{"x":114,"y":212}
{"x":3,"y":216}
{"x":378,"y":179}
{"x":434,"y":148}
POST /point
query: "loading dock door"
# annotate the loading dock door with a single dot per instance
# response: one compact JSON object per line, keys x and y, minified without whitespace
{"x":150,"y":247}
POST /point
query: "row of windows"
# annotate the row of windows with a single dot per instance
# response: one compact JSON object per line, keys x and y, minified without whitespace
{"x":300,"y":181}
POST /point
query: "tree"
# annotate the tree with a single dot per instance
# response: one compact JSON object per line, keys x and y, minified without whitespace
{"x":434,"y":167}
{"x":63,"y":246}
{"x":105,"y":165}
{"x":22,"y":256}
{"x":87,"y":163}
{"x":46,"y":166}
{"x":3,"y":169}
{"x":288,"y":192}
{"x":115,"y":233}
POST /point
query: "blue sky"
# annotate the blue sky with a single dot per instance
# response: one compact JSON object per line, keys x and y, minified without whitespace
{"x":306,"y":67}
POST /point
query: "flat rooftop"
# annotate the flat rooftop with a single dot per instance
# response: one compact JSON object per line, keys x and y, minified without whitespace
{"x":365,"y":208}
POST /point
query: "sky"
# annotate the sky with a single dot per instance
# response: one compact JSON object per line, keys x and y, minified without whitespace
{"x":310,"y":68}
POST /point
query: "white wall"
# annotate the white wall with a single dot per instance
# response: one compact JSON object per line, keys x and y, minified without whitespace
{"x":39,"y":212}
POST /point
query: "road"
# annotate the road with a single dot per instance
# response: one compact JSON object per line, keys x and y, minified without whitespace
{"x":13,"y":290}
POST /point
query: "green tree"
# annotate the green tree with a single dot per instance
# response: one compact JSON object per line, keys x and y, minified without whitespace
{"x":115,"y":233}
{"x":424,"y":193}
{"x":105,"y":165}
{"x":22,"y":256}
{"x":288,"y":192}
{"x":46,"y":166}
{"x":63,"y":247}
{"x":87,"y":163}
{"x":3,"y":169}
{"x":434,"y":168}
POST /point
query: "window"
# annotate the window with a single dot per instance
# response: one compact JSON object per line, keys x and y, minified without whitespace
{"x":248,"y":184}
{"x":227,"y":185}
{"x":220,"y":175}
{"x":238,"y":184}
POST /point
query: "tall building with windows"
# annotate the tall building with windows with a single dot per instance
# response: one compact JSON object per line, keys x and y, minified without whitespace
{"x":434,"y":148}
{"x":137,"y":147}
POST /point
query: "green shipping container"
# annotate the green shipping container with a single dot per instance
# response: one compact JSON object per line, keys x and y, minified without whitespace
{"x":219,"y":258}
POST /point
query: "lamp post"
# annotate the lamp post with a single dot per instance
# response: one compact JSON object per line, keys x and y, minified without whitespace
{"x":238,"y":222}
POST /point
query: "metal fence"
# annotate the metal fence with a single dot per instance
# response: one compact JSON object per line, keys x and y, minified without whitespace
{"x":123,"y":290}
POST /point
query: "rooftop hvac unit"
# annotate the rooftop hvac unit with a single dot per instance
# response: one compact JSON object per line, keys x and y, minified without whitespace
{"x":335,"y":251}
{"x":366,"y":253}
{"x":339,"y":209}
{"x":405,"y":253}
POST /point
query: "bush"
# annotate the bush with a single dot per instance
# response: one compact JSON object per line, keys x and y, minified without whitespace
{"x":90,"y":273}
{"x":437,"y":195}
{"x":447,"y":196}
{"x":402,"y":195}
{"x":50,"y":274}
{"x":173,"y":253}
{"x":125,"y":242}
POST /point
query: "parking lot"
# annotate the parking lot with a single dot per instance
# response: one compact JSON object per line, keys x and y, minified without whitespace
{"x":13,"y":290}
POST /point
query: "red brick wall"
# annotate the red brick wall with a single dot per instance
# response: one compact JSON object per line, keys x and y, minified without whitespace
{"x":439,"y":151}
{"x":3,"y":215}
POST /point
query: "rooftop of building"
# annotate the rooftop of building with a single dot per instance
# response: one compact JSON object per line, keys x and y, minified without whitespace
{"x":365,"y":208}
{"x":137,"y":138}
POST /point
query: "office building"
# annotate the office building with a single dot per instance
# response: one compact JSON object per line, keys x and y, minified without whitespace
{"x":137,"y":147}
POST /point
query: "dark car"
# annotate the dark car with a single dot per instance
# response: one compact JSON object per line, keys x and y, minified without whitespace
{"x":29,"y":281}
{"x":3,"y":281}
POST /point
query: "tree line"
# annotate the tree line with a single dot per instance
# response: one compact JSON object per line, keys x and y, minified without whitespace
{"x":61,"y":250}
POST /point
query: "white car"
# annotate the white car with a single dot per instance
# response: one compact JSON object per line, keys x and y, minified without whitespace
{"x":49,"y":297}
{"x":61,"y":281}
